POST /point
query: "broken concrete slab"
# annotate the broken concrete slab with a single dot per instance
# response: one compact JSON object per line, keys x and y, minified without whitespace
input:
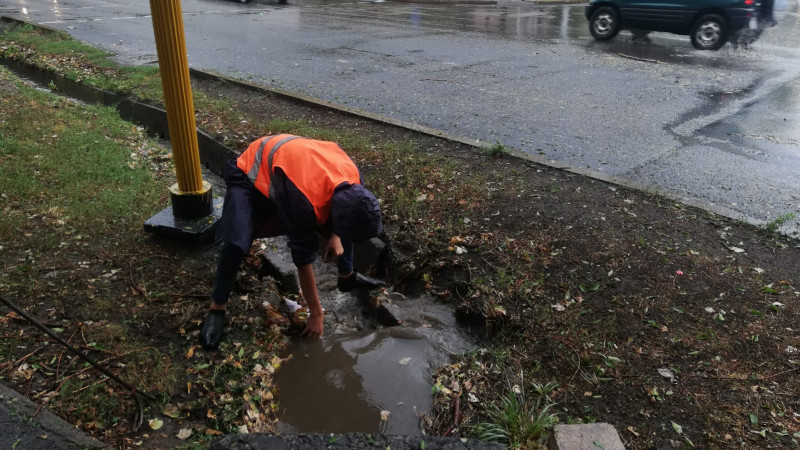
{"x":587,"y":436}
{"x":279,"y":265}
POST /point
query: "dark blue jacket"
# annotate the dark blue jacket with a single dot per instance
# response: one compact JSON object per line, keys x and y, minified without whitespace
{"x":248,"y":214}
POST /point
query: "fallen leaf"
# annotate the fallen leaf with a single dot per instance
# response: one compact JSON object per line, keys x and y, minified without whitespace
{"x":184,"y":433}
{"x":456,"y":240}
{"x":677,"y":428}
{"x":385,"y":415}
{"x":405,"y":361}
{"x":666,"y":373}
{"x":190,"y":353}
{"x":155,"y":424}
{"x":209,"y":431}
{"x":171,"y":410}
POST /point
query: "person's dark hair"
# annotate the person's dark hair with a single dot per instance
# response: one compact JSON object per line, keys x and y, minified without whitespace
{"x":355,"y":213}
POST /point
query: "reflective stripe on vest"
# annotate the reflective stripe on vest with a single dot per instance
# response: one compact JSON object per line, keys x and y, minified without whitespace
{"x":256,"y":167}
{"x":315,"y":168}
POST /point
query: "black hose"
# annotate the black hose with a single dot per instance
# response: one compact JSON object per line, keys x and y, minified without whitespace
{"x":66,"y":344}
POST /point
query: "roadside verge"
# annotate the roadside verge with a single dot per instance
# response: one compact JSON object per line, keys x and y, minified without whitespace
{"x":597,"y":302}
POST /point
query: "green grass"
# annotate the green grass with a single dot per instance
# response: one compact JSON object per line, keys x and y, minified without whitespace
{"x":86,"y":64}
{"x":72,"y":164}
{"x":775,"y":224}
{"x":49,"y":43}
{"x":517,"y":420}
{"x":496,"y":150}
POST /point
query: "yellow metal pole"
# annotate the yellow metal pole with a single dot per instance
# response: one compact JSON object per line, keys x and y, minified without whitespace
{"x":174,"y":69}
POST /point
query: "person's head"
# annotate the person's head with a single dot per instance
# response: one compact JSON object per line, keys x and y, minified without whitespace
{"x":355,"y":213}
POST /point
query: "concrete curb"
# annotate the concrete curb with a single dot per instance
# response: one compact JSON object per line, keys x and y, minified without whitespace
{"x":21,"y":427}
{"x":477,"y":143}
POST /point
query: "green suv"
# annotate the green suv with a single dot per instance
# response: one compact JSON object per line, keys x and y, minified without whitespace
{"x":709,"y":23}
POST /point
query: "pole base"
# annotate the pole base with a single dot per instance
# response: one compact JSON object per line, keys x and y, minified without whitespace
{"x":191,"y":205}
{"x":200,"y":229}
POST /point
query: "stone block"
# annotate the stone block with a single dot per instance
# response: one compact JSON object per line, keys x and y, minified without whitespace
{"x":588,"y":436}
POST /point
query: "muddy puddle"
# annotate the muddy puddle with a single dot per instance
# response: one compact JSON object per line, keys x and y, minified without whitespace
{"x":362,"y":376}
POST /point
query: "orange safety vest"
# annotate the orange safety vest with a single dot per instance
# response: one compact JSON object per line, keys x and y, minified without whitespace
{"x":315,"y":167}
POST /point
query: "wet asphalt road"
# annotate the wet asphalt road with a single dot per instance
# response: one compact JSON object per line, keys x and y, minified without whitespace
{"x":722,"y":127}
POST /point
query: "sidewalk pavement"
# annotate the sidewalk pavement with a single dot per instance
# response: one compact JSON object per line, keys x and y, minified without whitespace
{"x":20,"y":429}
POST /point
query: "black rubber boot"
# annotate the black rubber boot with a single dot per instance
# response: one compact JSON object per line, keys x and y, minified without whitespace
{"x":357,"y":280}
{"x":211,"y":334}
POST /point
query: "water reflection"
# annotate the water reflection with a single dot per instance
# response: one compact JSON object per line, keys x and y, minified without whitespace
{"x":344,"y":382}
{"x":517,"y":21}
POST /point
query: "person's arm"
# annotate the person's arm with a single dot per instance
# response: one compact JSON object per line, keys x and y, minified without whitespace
{"x":308,"y":284}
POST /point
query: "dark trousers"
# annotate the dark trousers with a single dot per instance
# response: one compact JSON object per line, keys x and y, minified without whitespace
{"x":767,"y":7}
{"x":231,"y":256}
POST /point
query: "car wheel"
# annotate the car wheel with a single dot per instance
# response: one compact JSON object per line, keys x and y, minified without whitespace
{"x":604,"y":23}
{"x":710,"y":32}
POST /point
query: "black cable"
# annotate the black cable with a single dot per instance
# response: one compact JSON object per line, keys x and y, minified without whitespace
{"x":66,"y":344}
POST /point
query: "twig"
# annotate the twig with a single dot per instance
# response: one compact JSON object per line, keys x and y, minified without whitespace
{"x":577,"y":369}
{"x":14,"y":363}
{"x":90,"y":385}
{"x":190,"y":295}
{"x":51,"y":397}
{"x":781,"y":373}
{"x":61,"y":356}
{"x":639,"y":59}
{"x":457,"y":412}
{"x":136,"y":287}
{"x":21,"y":320}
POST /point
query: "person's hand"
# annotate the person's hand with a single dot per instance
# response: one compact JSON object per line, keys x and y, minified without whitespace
{"x":333,"y":250}
{"x":314,"y":326}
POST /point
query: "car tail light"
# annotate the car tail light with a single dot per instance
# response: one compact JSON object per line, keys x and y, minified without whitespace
{"x":749,"y":2}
